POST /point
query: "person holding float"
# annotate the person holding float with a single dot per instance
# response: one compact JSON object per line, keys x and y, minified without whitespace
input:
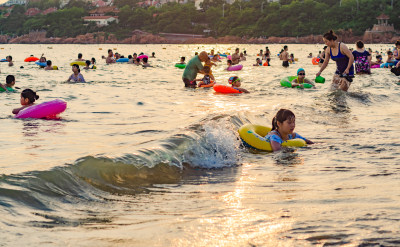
{"x":208,"y":78}
{"x":8,"y":87}
{"x":28,"y":98}
{"x":235,"y":82}
{"x":344,"y":62}
{"x":283,"y":125}
{"x":301,"y":79}
{"x":193,"y":67}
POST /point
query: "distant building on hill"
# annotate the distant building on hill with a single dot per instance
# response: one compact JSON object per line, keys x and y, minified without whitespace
{"x":101,"y":20}
{"x":382,"y":29}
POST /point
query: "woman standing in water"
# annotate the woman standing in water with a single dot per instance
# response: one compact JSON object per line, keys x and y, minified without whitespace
{"x":344,"y":62}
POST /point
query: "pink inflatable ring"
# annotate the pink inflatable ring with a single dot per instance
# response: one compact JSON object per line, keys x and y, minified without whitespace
{"x":143,"y":56}
{"x":47,"y":109}
{"x":235,"y":67}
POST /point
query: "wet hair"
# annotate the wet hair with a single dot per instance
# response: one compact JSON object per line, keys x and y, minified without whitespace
{"x":10,"y":57}
{"x":77,"y":66}
{"x":30,"y":95}
{"x":378,"y":57}
{"x":196,"y":53}
{"x":135,"y":54}
{"x":397,"y":43}
{"x":330,"y":36}
{"x":87,"y":62}
{"x":93,"y":60}
{"x":48,"y":62}
{"x":138,"y":60}
{"x":109,"y":50}
{"x":80,"y":55}
{"x":237,"y":49}
{"x":325,"y":47}
{"x":230,"y":62}
{"x":281,"y":116}
{"x":245,"y":52}
{"x":183,"y":58}
{"x":153,"y":53}
{"x":10,"y":79}
{"x":258,"y":59}
{"x":390,"y":53}
{"x":359,"y":44}
{"x":285,"y":47}
{"x":130,"y":56}
{"x":145,"y":59}
{"x":292,"y":55}
{"x":206,"y":69}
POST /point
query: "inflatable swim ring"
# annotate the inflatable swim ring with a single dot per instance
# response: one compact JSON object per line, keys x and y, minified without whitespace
{"x":386,"y":65}
{"x":143,"y":56}
{"x":375,"y":66}
{"x":3,"y":60}
{"x":55,"y":68}
{"x":208,"y":85}
{"x":287,"y":82}
{"x":315,"y":60}
{"x":235,"y":67}
{"x":80,"y":63}
{"x":181,"y":66}
{"x":43,"y":64}
{"x":223,"y":55}
{"x":47,"y":109}
{"x":266,"y":64}
{"x":254,"y":136}
{"x":225,"y":89}
{"x":122,"y":60}
{"x":10,"y":89}
{"x":31,"y":59}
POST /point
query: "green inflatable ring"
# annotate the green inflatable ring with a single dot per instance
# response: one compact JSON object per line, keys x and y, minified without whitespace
{"x":181,"y":66}
{"x":10,"y":89}
{"x":287,"y":82}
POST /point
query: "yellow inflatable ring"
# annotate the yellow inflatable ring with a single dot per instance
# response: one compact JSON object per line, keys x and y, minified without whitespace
{"x":254,"y":136}
{"x":80,"y":63}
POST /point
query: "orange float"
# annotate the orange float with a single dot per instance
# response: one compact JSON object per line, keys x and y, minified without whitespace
{"x":225,"y":89}
{"x":31,"y":59}
{"x":208,"y":85}
{"x":266,"y":64}
{"x":315,"y":60}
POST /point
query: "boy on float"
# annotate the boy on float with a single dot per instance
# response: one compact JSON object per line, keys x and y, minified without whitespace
{"x":301,"y":78}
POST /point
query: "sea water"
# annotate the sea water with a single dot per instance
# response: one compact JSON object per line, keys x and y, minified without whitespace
{"x":139,"y":160}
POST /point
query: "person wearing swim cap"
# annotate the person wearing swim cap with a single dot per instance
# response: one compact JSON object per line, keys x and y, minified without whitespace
{"x":193,"y":67}
{"x":301,"y":78}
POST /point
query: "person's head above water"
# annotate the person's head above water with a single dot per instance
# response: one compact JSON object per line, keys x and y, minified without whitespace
{"x":203,"y":56}
{"x":10,"y":80}
{"x":301,"y":70}
{"x":235,"y":81}
{"x":48,"y":62}
{"x":28,"y":96}
{"x":80,"y":55}
{"x":284,"y":120}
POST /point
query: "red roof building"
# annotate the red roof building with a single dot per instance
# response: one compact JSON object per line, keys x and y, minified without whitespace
{"x":32,"y":12}
{"x":49,"y":10}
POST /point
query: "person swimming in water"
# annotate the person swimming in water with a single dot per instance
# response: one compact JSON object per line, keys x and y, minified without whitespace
{"x":344,"y":62}
{"x":283,"y":125}
{"x":301,"y":79}
{"x":235,"y":82}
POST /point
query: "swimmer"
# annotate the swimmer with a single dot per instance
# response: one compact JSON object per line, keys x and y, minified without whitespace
{"x":378,"y":60}
{"x":137,"y":61}
{"x":153,"y":54}
{"x":208,"y":77}
{"x":283,"y":125}
{"x":87,"y":62}
{"x":130,"y":59}
{"x":291,"y":60}
{"x":10,"y":82}
{"x":76,"y":76}
{"x":9,"y":60}
{"x":182,"y":60}
{"x":301,"y":78}
{"x":284,"y":56}
{"x":235,"y":81}
{"x":93,"y":61}
{"x":258,"y":62}
{"x":310,"y":55}
{"x":110,"y":57}
{"x":242,"y":57}
{"x":48,"y":67}
{"x":80,"y":57}
{"x":28,"y":97}
{"x":229,"y":63}
{"x":145,"y":63}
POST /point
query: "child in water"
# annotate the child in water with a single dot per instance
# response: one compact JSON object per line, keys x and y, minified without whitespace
{"x":283,"y":125}
{"x":28,"y":98}
{"x":76,"y":76}
{"x":182,"y":60}
{"x":9,"y":60}
{"x":145,"y":63}
{"x":301,"y":78}
{"x":229,"y":63}
{"x":258,"y":62}
{"x":49,"y":65}
{"x":378,"y":60}
{"x":235,"y":81}
{"x":93,"y":61}
{"x":208,"y":77}
{"x":10,"y":82}
{"x":87,"y":62}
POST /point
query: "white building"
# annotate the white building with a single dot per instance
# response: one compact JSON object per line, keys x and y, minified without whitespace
{"x":101,"y":20}
{"x":14,"y":2}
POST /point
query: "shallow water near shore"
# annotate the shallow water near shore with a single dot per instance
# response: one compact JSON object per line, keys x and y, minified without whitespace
{"x":139,"y":160}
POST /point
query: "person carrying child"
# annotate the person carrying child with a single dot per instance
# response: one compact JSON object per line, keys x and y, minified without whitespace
{"x":208,"y":77}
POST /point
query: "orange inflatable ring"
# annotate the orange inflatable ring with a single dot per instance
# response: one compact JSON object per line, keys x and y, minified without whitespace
{"x":266,"y":64}
{"x":208,"y":85}
{"x":315,"y":60}
{"x":225,"y":89}
{"x":31,"y":59}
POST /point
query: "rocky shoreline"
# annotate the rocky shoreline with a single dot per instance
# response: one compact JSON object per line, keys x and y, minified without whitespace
{"x":147,"y":38}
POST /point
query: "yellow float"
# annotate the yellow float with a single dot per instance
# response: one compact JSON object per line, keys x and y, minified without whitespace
{"x":80,"y":63}
{"x":253,"y":136}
